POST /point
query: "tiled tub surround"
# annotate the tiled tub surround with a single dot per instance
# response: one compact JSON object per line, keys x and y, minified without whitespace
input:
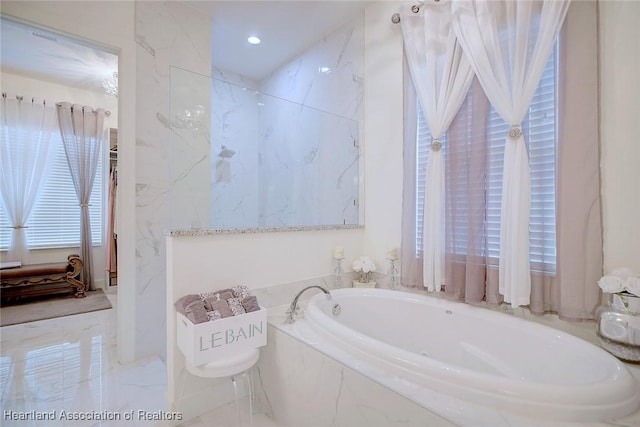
{"x":305,"y":387}
{"x":299,"y":366}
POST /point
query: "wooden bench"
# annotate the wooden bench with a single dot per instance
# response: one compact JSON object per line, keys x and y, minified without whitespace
{"x":42,"y":279}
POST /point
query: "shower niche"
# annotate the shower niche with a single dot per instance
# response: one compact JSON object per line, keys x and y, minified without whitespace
{"x":276,"y":149}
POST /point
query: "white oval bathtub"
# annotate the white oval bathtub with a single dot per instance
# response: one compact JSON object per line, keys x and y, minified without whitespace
{"x":478,"y":355}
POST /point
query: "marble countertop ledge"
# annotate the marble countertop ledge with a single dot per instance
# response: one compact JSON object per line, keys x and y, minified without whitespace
{"x":196,"y":232}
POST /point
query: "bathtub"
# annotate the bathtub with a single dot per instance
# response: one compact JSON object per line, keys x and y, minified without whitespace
{"x":476,"y":355}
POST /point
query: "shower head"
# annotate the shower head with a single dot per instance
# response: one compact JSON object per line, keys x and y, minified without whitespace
{"x":225,"y":152}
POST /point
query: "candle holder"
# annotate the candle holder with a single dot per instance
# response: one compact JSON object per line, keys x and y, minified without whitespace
{"x":393,"y":274}
{"x":337,"y":272}
{"x":338,"y":256}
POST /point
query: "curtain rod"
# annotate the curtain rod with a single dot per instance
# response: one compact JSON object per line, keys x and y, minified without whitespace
{"x":21,"y":98}
{"x":395,"y":18}
{"x":44,"y":101}
{"x":60,"y":104}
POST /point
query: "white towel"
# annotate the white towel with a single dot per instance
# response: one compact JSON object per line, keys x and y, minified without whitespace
{"x":633,"y":285}
{"x":620,"y":280}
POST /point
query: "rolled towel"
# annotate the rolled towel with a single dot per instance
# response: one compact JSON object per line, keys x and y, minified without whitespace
{"x":221,"y":306}
{"x":216,"y":297}
{"x":182,"y":303}
{"x":250,"y":304}
{"x":196,"y":313}
{"x":223,"y":296}
{"x":611,"y":284}
{"x":616,"y":281}
{"x":240,"y":291}
{"x":632,"y":285}
{"x":214,"y":315}
{"x":204,"y":295}
{"x":236,"y":306}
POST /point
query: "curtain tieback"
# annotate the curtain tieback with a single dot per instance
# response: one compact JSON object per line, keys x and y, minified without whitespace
{"x":515,"y":132}
{"x":84,"y":205}
{"x":436,"y":145}
{"x":17,"y":227}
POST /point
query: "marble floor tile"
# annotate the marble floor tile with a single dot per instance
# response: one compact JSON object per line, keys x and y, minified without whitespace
{"x":59,"y":372}
{"x":55,"y":370}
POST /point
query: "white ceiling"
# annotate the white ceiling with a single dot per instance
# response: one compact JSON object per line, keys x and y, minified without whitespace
{"x":52,"y":57}
{"x":285,"y":27}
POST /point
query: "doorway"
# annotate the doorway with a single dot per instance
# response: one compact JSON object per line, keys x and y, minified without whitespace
{"x":42,"y":65}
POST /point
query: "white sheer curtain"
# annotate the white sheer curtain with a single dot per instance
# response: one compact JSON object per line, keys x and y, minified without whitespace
{"x":441,"y":75}
{"x":82,"y":131}
{"x":27,"y":145}
{"x":508,"y":44}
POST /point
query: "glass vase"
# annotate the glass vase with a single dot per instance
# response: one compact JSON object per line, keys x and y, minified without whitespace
{"x":618,"y":326}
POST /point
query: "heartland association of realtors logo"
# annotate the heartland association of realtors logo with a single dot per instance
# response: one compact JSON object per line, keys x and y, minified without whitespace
{"x":231,"y":336}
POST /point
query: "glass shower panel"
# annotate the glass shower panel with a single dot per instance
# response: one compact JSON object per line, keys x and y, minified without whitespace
{"x":190,"y":149}
{"x":263,"y":161}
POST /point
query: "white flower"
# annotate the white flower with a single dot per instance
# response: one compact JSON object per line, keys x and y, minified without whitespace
{"x":364,"y":264}
{"x":368,"y":266}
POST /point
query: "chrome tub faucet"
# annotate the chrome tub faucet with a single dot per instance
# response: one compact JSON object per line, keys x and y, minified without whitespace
{"x":291,"y":313}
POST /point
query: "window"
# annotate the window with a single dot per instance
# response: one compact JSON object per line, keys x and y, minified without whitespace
{"x":540,"y":132}
{"x":55,"y":219}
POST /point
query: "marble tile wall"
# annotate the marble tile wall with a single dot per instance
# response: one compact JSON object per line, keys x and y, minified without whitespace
{"x":338,"y":90}
{"x":305,"y":154}
{"x":234,"y":184}
{"x":297,"y":385}
{"x":167,"y":34}
{"x":318,"y":166}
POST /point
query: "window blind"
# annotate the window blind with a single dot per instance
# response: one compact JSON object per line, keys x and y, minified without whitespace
{"x":540,"y":132}
{"x":55,"y":219}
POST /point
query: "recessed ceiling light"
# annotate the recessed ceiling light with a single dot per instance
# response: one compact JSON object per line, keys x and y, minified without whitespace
{"x":254,"y":40}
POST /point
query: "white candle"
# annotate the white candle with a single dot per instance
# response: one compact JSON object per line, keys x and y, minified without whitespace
{"x":392,"y":254}
{"x":338,"y":252}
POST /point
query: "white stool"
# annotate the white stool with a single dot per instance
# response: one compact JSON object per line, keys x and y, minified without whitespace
{"x":225,"y":367}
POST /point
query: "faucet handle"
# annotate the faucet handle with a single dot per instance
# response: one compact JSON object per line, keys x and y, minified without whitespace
{"x":292,"y":313}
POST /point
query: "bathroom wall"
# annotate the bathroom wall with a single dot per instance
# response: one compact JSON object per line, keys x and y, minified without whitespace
{"x":310,"y":155}
{"x":167,"y":34}
{"x":338,"y":88}
{"x":620,"y":132}
{"x":52,"y":92}
{"x":383,"y":132}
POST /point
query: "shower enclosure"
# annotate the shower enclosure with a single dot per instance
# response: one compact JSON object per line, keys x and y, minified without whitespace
{"x":241,"y":158}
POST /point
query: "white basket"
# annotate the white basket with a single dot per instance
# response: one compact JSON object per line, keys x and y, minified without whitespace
{"x":222,"y":338}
